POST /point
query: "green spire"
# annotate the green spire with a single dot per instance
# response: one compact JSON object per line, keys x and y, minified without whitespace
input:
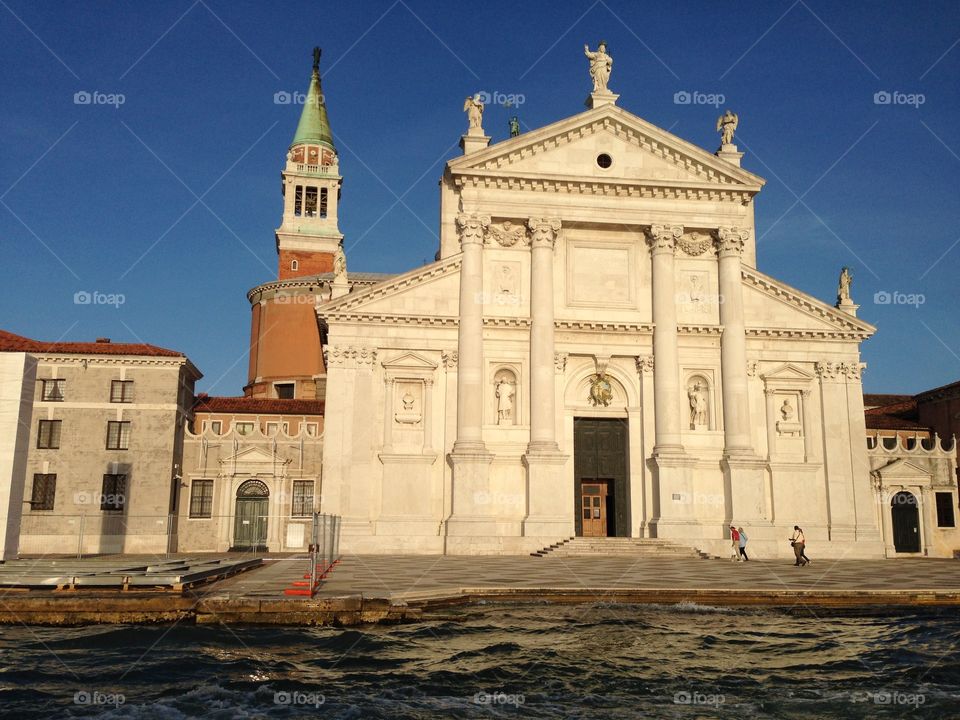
{"x":314,"y":127}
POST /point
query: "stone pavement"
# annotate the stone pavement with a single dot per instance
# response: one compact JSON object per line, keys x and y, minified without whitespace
{"x":401,"y":576}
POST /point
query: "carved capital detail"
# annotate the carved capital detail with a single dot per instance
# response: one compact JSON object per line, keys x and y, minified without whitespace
{"x":349,"y":355}
{"x":543,"y":231}
{"x":645,"y":364}
{"x":663,"y":238}
{"x":472,"y":228}
{"x":450,"y":359}
{"x":730,"y":241}
{"x":560,"y":362}
{"x":752,"y":366}
{"x":840,"y":371}
{"x":695,"y":243}
{"x":507,"y":234}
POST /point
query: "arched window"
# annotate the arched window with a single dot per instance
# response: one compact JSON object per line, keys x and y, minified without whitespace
{"x":253,"y":488}
{"x":294,"y":264}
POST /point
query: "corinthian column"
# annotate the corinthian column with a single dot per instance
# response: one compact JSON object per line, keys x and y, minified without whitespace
{"x":662,"y":240}
{"x":549,"y":491}
{"x":733,"y":344}
{"x":543,"y":236}
{"x":470,"y":336}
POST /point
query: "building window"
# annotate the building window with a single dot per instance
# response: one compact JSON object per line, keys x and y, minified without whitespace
{"x":945,"y":517}
{"x":312,"y":429}
{"x":44,"y":489}
{"x":294,"y":264}
{"x":274,"y":426}
{"x":285,"y":391}
{"x":310,"y":202}
{"x":244,"y":428}
{"x":604,"y":161}
{"x":214,"y":425}
{"x":48,"y":434}
{"x":298,"y":201}
{"x":118,"y":435}
{"x":323,"y":202}
{"x":302,"y":498}
{"x":121,"y":391}
{"x":53,"y":390}
{"x":201,"y":499}
{"x":113,"y":495}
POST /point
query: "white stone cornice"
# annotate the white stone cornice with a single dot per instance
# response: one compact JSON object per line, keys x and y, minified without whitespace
{"x":620,"y":187}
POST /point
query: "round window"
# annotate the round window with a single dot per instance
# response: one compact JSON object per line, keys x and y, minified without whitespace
{"x":604,"y":160}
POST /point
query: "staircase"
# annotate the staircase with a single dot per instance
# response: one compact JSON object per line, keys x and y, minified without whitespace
{"x":634,"y":547}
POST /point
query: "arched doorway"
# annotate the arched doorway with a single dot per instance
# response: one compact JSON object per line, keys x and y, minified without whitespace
{"x":250,"y":520}
{"x":906,"y":522}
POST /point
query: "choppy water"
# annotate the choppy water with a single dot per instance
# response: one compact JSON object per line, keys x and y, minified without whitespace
{"x":534,"y":661}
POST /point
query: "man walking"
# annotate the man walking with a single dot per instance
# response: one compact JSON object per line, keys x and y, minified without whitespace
{"x":743,"y":543}
{"x":799,"y":543}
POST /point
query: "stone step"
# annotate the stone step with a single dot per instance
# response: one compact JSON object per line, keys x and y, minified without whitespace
{"x":636,"y":547}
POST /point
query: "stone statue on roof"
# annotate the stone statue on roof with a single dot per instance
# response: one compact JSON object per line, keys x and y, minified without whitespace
{"x":600,"y":66}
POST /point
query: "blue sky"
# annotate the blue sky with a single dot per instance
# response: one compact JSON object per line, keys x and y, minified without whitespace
{"x":170,"y":199}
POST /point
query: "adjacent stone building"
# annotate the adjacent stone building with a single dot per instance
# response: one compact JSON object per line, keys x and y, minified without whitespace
{"x":251,"y":474}
{"x":105,"y":445}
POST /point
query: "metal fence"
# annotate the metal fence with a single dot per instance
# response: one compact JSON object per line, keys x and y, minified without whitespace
{"x":104,"y":533}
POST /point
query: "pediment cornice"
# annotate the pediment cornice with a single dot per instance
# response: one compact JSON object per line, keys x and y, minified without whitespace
{"x":846,"y":325}
{"x":709,"y":172}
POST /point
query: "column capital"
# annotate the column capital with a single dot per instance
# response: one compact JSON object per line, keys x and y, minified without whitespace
{"x":644,"y":364}
{"x":543,"y":231}
{"x":663,"y":238}
{"x":730,"y":241}
{"x":450,"y":358}
{"x":472,"y":227}
{"x":560,"y":362}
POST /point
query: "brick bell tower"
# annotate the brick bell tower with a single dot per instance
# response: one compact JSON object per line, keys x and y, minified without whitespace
{"x":286,"y":353}
{"x":308,"y":236}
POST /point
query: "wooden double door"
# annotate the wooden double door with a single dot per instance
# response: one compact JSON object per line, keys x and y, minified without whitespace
{"x":601,"y":481}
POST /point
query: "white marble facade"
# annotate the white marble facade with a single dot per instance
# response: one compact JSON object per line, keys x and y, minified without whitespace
{"x":452,"y":389}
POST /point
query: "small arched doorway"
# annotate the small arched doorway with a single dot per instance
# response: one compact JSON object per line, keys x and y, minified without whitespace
{"x":906,"y":522}
{"x":250,"y":520}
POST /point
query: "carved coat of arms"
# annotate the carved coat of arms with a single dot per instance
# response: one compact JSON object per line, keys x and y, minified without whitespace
{"x":601,"y":391}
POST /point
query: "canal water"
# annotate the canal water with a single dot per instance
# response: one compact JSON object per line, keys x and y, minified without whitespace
{"x":498,"y":661}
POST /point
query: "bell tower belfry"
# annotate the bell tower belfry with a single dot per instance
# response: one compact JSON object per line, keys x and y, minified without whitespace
{"x":308,"y":236}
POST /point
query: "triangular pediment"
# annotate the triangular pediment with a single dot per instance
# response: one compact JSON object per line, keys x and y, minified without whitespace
{"x":787,"y":371}
{"x":640,"y":152}
{"x":409,"y":361}
{"x":775,"y":306}
{"x":431,"y":291}
{"x":253,"y":456}
{"x":903,"y":470}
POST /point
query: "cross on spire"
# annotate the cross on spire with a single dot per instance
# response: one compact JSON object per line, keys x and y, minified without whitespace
{"x":316,"y":59}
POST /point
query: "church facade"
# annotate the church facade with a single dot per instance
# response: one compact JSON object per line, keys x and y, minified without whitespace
{"x":594,"y":352}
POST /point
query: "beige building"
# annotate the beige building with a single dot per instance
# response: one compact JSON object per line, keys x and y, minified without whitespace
{"x":251,"y":474}
{"x":105,"y":445}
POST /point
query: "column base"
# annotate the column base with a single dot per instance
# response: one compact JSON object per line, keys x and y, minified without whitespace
{"x":472,"y":512}
{"x":745,"y":480}
{"x":549,"y":499}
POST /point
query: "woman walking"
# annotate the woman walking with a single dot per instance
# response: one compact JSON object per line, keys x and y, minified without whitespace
{"x":734,"y":545}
